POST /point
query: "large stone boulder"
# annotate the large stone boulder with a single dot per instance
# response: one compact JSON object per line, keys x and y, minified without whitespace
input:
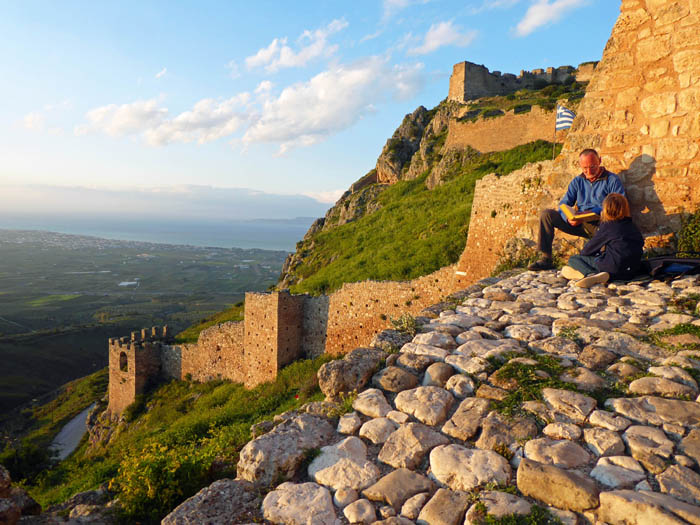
{"x":279,"y":453}
{"x":224,"y":501}
{"x":350,"y":373}
{"x":299,"y":504}
{"x":629,"y":506}
{"x":558,"y":487}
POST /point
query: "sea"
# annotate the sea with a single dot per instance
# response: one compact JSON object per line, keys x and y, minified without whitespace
{"x":265,"y":234}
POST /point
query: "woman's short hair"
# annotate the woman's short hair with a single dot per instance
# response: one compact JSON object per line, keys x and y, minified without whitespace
{"x":615,"y":207}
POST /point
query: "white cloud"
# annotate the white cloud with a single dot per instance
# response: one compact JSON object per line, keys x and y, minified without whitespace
{"x":125,"y":119}
{"x":162,"y":72}
{"x":544,"y":12}
{"x":371,"y":36}
{"x":300,"y":115}
{"x":329,"y":197}
{"x":264,"y":87}
{"x":313,"y":44}
{"x":208,"y":120}
{"x":487,"y":5}
{"x":441,"y":35}
{"x":309,"y":112}
{"x":34,"y":121}
{"x":233,"y":69}
{"x":391,"y":7}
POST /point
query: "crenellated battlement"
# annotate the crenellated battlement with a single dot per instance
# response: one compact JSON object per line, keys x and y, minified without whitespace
{"x":470,"y":81}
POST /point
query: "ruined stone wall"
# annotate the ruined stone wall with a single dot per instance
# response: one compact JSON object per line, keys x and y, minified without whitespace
{"x":505,"y":132}
{"x":358,"y":311}
{"x":290,"y":325}
{"x":218,"y":354}
{"x":315,"y":325}
{"x":584,"y":73}
{"x":639,"y":112}
{"x":470,"y":81}
{"x":504,"y":207}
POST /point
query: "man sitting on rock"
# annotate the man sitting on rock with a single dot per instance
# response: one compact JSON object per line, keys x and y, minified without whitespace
{"x":587,"y":192}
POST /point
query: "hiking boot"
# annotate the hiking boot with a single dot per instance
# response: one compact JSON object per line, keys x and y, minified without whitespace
{"x":596,"y":278}
{"x":572,"y":274}
{"x":545,"y":263}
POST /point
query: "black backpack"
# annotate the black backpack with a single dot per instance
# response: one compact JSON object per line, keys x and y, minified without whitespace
{"x":672,"y":266}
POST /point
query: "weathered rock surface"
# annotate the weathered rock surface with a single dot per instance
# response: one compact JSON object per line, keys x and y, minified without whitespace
{"x":428,"y":404}
{"x":498,"y":505}
{"x":629,"y":506}
{"x":372,"y":403}
{"x":299,"y":504}
{"x":563,"y":453}
{"x":224,"y":501}
{"x":344,"y":465}
{"x":350,"y":373}
{"x":444,"y":508}
{"x":464,"y":469}
{"x":558,"y":487}
{"x":280,"y":452}
{"x":500,"y":431}
{"x":394,"y":379}
{"x":397,"y":486}
{"x":408,"y":445}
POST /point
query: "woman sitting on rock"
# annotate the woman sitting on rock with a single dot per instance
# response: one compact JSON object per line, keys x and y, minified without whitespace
{"x":614,"y":251}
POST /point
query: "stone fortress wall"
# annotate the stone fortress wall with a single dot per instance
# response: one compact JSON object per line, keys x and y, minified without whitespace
{"x":277,"y":329}
{"x":640,"y":112}
{"x":470,"y":81}
{"x":505,"y":132}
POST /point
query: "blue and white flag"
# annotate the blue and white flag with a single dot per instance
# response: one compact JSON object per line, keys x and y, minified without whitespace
{"x":565,"y":118}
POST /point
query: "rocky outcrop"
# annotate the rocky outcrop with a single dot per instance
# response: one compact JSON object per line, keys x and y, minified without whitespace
{"x":399,"y":149}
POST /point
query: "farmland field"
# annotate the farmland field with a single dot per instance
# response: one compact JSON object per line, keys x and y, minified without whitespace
{"x":62,"y":296}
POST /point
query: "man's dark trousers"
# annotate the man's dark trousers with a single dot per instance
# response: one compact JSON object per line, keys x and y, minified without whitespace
{"x":551,"y":220}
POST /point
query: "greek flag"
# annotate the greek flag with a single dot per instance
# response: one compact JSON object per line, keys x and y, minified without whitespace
{"x":565,"y":118}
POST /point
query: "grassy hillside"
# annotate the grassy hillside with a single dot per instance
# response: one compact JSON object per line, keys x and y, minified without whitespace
{"x":416,"y":230}
{"x":179,"y":438}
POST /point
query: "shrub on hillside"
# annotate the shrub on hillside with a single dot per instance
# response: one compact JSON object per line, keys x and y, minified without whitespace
{"x":157,"y":478}
{"x":689,"y":234}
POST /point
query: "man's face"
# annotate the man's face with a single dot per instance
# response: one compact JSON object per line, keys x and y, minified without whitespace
{"x":590,"y":166}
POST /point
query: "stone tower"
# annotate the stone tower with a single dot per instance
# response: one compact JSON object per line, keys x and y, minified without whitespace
{"x":273,"y":333}
{"x":134,"y":363}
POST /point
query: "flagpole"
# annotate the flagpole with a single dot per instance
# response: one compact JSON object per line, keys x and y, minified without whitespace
{"x":554,"y":138}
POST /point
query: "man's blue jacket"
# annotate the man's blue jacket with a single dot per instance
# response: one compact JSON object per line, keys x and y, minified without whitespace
{"x":589,"y":196}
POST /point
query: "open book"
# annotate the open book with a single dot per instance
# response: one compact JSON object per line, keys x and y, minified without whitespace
{"x":581,"y":216}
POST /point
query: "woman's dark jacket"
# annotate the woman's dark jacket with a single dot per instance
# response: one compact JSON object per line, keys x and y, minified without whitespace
{"x":623,"y":247}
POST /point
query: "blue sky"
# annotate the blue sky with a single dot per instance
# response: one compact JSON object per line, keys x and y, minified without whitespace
{"x":279,"y":97}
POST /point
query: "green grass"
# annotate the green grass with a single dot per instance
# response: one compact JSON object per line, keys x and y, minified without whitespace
{"x":167,"y":453}
{"x":27,"y":457}
{"x":415,"y":232}
{"x":522,"y":101}
{"x":43,"y":301}
{"x":191,"y":334}
{"x":656,"y":338}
